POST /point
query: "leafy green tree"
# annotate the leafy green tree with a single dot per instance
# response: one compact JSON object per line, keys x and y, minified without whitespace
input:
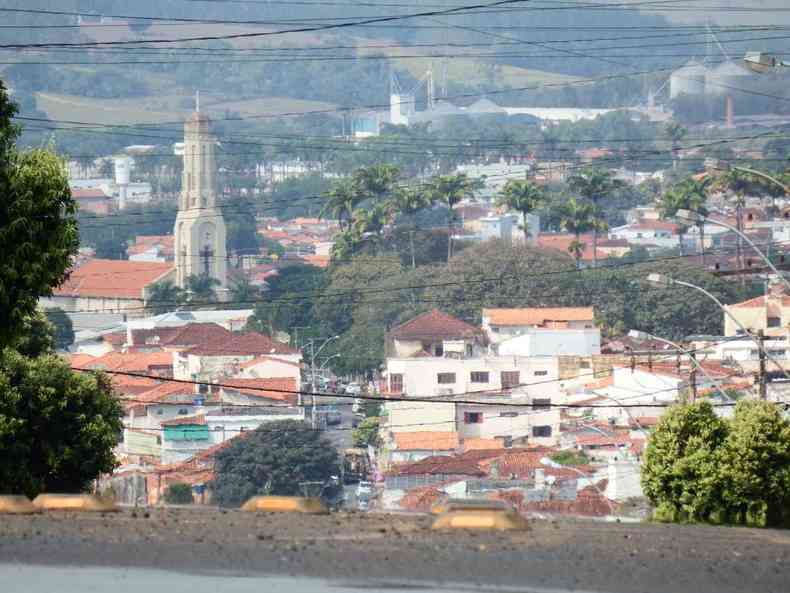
{"x":37,"y":336}
{"x":38,"y":230}
{"x":756,"y":466}
{"x":272,"y":459}
{"x":201,"y":289}
{"x":525,"y":197}
{"x":243,"y":293}
{"x":681,"y":470}
{"x":179,"y":493}
{"x":163,"y":297}
{"x":242,"y":232}
{"x":367,"y":433}
{"x":290,"y":300}
{"x":64,"y":425}
{"x":64,"y":330}
{"x":595,"y":185}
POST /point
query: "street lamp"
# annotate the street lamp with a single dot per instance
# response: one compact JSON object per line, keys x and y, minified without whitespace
{"x":641,"y":335}
{"x":553,"y":464}
{"x":698,"y":218}
{"x":313,"y":354}
{"x":661,"y":280}
{"x":762,"y":62}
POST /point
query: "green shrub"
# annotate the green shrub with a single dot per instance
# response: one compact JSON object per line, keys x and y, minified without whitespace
{"x":179,"y":493}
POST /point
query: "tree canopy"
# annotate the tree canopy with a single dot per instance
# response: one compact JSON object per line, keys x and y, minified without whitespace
{"x":58,"y":428}
{"x":700,"y":467}
{"x":272,"y":459}
{"x":38,"y":236}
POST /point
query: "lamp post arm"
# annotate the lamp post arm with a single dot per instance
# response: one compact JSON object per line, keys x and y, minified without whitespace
{"x":764,"y":176}
{"x":760,"y":345}
{"x":751,"y":244}
{"x":696,"y":364}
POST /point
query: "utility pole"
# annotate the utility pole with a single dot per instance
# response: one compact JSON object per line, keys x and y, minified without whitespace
{"x":762,"y":378}
{"x":693,"y":379}
{"x":312,"y":379}
{"x":411,"y":240}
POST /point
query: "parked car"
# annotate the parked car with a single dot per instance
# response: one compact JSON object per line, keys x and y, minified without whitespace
{"x":333,"y":416}
{"x":353,"y":388}
{"x":364,"y":491}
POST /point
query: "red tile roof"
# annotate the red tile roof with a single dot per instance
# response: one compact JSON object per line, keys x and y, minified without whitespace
{"x":164,"y":392}
{"x":434,"y":324}
{"x":439,"y":464}
{"x":244,"y":344}
{"x":537,"y":315}
{"x":130,"y":362}
{"x":196,"y":420}
{"x":561,"y":242}
{"x":275,"y":388}
{"x":143,"y":243}
{"x":109,"y":278}
{"x":426,"y":441}
{"x":88,"y":193}
{"x":421,"y":499}
{"x":760,"y":301}
{"x":482,"y":444}
{"x":192,"y":334}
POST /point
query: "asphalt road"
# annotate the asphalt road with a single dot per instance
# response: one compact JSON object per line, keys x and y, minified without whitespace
{"x":349,"y":551}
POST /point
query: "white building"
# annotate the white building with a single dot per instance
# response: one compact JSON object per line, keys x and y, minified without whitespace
{"x":656,"y":233}
{"x":538,"y":341}
{"x":504,"y":324}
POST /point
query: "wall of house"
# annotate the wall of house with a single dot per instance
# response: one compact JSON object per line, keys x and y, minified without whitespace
{"x":508,"y":421}
{"x":272,"y":368}
{"x":405,"y":348}
{"x":753,"y":318}
{"x":129,"y":306}
{"x":553,"y":342}
{"x":624,"y":481}
{"x":658,"y":237}
{"x":420,"y":416}
{"x":420,"y":375}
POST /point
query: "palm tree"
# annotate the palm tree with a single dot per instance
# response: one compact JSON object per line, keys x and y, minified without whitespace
{"x":376,"y":181}
{"x":736,"y":184}
{"x":594,"y":184}
{"x":674,"y":132}
{"x":689,"y":194}
{"x":450,"y":190}
{"x":244,"y":293}
{"x":163,"y":297}
{"x":577,"y":218}
{"x":200,"y":289}
{"x":340,"y":202}
{"x":524,"y":196}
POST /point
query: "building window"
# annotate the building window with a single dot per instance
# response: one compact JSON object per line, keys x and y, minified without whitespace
{"x":183,"y":411}
{"x":509,"y":379}
{"x":469,"y":351}
{"x":219,"y":428}
{"x":495,"y":330}
{"x":473,"y":417}
{"x":507,"y":441}
{"x":777,"y":353}
{"x":438,"y":350}
{"x":774,"y":322}
{"x":396,"y":383}
{"x":508,"y":414}
{"x":541,"y":403}
{"x":584,"y":364}
{"x":541,"y":373}
{"x":541,"y":431}
{"x":479,"y":377}
{"x":445,"y":378}
{"x":159,"y":411}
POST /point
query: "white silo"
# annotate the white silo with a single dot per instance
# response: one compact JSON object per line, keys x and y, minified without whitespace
{"x":689,"y":79}
{"x":123,"y":166}
{"x":726,"y":79}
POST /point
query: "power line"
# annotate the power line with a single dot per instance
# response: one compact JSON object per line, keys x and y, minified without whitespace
{"x":411,"y":399}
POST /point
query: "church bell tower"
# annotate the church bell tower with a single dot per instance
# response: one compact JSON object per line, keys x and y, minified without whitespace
{"x":200,"y":228}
